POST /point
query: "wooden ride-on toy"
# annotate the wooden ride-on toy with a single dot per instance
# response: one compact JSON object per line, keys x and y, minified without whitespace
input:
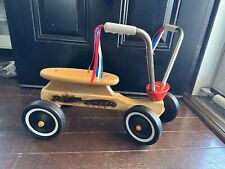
{"x":67,"y":86}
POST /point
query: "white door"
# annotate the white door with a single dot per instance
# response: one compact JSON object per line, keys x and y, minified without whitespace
{"x":219,"y":82}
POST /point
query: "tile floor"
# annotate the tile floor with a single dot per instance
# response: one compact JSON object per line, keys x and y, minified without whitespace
{"x":97,"y":139}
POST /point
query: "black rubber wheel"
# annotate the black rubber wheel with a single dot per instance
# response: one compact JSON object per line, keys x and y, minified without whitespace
{"x":43,"y":119}
{"x":142,"y":125}
{"x":171,"y":108}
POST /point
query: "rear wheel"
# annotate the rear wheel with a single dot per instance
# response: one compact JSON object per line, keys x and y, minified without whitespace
{"x":142,"y":125}
{"x":43,"y":119}
{"x":171,"y":108}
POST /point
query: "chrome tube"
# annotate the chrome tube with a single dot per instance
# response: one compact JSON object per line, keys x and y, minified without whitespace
{"x":149,"y":55}
{"x":174,"y":55}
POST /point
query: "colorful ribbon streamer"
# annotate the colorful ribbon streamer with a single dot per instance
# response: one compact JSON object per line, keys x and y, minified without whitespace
{"x":97,"y":56}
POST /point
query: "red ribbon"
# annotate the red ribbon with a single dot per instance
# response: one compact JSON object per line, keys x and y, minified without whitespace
{"x":95,"y":53}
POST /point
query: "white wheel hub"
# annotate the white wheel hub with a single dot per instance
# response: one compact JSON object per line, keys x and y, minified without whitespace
{"x":132,"y":134}
{"x":27,"y":121}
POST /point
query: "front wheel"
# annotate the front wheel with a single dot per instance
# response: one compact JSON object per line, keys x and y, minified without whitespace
{"x":171,"y":108}
{"x":43,"y":119}
{"x":142,"y":125}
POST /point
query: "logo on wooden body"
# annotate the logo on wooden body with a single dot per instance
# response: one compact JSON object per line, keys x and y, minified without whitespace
{"x":94,"y":102}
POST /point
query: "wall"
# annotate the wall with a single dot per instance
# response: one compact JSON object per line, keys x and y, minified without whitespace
{"x":219,"y":83}
{"x":5,"y":42}
{"x":213,"y":52}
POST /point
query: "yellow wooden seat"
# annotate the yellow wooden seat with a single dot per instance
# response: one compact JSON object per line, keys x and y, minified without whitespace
{"x":79,"y":76}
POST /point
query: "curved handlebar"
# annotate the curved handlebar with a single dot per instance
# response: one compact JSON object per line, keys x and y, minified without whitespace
{"x":171,"y":28}
{"x":119,"y":28}
{"x":132,"y":30}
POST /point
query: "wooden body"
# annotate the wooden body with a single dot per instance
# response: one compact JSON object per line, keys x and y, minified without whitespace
{"x":72,"y":87}
{"x":79,"y":76}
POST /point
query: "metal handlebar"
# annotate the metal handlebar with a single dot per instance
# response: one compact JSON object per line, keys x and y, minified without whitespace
{"x":119,"y":28}
{"x":149,"y":56}
{"x":132,"y":30}
{"x":175,"y":52}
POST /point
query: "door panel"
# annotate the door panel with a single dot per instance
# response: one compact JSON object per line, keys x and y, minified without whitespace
{"x":57,"y":33}
{"x":158,"y":12}
{"x":61,"y":21}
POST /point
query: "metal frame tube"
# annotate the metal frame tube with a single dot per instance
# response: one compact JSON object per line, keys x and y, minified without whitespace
{"x":131,"y":30}
{"x":174,"y":55}
{"x":149,"y":55}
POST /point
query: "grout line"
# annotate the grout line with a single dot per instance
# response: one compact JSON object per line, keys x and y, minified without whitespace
{"x":118,"y":117}
{"x":110,"y":132}
{"x":16,"y":95}
{"x":32,"y":92}
{"x":112,"y":151}
{"x":193,"y":117}
{"x":17,"y":159}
